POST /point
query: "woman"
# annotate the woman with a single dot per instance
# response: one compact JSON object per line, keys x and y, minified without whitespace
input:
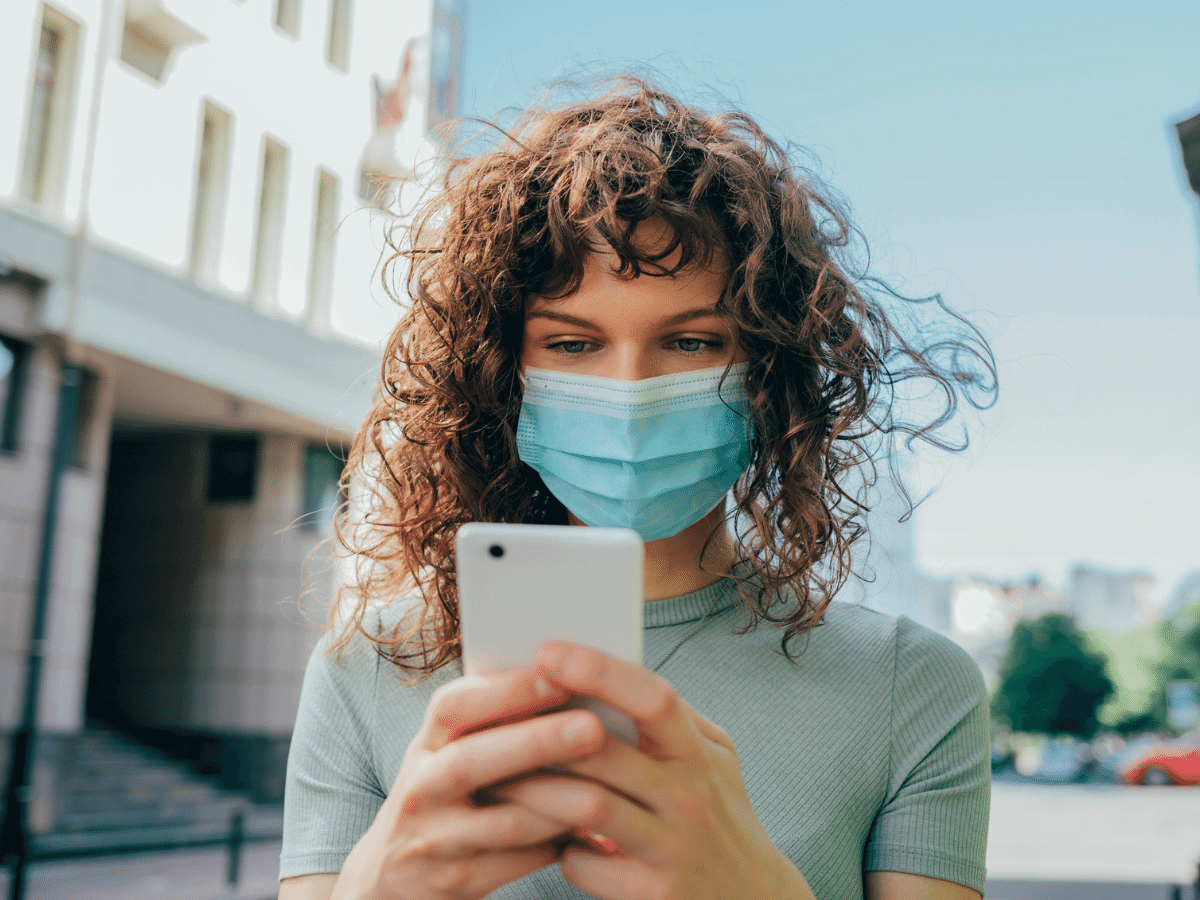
{"x":623,"y":244}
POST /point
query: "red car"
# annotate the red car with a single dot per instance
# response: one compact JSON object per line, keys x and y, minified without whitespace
{"x":1177,"y":762}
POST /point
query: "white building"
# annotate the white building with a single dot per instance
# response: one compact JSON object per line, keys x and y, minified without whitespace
{"x":1185,"y":598}
{"x":183,"y":227}
{"x":1114,"y":601}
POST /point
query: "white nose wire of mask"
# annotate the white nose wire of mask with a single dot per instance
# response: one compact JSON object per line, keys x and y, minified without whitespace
{"x":646,"y":390}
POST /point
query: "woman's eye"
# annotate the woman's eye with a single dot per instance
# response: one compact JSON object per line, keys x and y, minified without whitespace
{"x":693,"y":345}
{"x":569,"y":347}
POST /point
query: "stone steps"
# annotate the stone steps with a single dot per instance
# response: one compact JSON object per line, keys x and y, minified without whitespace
{"x":116,"y":794}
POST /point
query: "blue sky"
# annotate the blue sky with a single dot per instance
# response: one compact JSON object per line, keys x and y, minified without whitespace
{"x":1017,"y":157}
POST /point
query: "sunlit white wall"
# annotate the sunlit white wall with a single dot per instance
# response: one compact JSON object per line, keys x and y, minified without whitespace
{"x":148,"y":136}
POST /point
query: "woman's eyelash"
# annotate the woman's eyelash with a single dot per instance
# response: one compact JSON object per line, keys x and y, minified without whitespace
{"x":686,"y":345}
{"x":704,"y":344}
{"x":563,"y":347}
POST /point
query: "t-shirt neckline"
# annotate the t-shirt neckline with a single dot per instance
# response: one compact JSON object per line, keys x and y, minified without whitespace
{"x":719,"y":595}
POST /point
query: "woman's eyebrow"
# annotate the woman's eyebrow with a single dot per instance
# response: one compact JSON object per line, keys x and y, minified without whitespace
{"x":688,"y":315}
{"x":700,"y":312}
{"x":566,"y":318}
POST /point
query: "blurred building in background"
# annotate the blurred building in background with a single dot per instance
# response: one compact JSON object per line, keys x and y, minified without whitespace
{"x":974,"y":612}
{"x":1116,"y":601}
{"x":186,"y":237}
{"x":979,"y":614}
{"x":1185,"y":598}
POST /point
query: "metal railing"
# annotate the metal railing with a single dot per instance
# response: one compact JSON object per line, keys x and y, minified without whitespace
{"x":1187,"y":892}
{"x":233,"y":838}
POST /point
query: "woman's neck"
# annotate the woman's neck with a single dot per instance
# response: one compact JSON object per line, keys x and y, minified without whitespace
{"x":673,"y":565}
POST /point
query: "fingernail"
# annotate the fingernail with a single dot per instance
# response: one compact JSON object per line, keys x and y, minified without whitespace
{"x":552,"y":657}
{"x":608,"y":845}
{"x":543,"y":689}
{"x":577,"y":732}
{"x":570,"y":665}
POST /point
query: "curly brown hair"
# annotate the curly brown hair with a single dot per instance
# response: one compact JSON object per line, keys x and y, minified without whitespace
{"x":825,"y":349}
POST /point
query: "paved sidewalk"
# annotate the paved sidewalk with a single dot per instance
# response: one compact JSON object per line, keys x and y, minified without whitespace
{"x":1047,"y":842}
{"x":178,"y":875}
{"x":1094,"y":832}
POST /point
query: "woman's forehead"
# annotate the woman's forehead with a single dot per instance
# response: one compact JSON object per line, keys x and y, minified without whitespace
{"x":689,"y":293}
{"x":653,"y":242}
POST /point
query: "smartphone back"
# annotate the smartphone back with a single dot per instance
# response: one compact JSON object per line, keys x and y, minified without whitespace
{"x":520,"y":586}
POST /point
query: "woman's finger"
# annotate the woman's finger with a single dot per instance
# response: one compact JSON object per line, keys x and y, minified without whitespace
{"x":664,"y":728}
{"x":493,"y":755}
{"x":479,"y":875}
{"x":473,"y":702}
{"x":625,"y":770}
{"x":581,"y":803}
{"x":609,"y":876}
{"x":707,"y":727}
{"x":507,"y":826}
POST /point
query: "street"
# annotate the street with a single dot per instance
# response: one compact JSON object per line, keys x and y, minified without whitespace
{"x":178,"y":875}
{"x":1094,"y":832}
{"x":1047,"y":842}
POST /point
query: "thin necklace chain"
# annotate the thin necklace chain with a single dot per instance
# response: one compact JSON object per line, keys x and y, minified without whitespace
{"x":679,"y":643}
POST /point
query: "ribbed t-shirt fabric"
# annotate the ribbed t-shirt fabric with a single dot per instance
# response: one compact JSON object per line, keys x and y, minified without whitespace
{"x":869,"y":752}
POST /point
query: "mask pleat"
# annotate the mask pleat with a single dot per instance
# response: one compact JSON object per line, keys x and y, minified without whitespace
{"x":653,"y":455}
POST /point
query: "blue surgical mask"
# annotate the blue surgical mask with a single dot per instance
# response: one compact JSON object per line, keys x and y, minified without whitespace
{"x":654,"y":455}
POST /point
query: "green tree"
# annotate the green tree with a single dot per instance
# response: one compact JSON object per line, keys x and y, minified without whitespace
{"x":1051,"y":681}
{"x":1180,"y":660}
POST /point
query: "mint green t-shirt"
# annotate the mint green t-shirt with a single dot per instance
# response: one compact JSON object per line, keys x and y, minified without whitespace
{"x":869,"y":752}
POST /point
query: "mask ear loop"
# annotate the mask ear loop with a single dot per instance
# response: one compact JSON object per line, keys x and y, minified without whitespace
{"x":541,"y":495}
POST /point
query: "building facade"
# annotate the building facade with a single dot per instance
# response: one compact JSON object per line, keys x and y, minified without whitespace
{"x":1113,"y":601}
{"x":189,"y":254}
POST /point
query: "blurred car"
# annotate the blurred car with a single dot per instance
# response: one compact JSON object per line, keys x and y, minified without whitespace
{"x":1002,"y":758}
{"x":1171,"y":762}
{"x":1064,"y":759}
{"x":1003,"y":754}
{"x":1109,"y":749}
{"x":1054,"y":759}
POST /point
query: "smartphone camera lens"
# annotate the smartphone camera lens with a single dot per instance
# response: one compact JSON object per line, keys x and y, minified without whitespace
{"x":496,"y":550}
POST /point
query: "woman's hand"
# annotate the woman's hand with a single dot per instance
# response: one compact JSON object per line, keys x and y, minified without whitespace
{"x":674,"y":807}
{"x":430,"y":839}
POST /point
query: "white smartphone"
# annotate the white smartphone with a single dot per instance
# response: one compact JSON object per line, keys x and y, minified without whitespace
{"x":520,"y":586}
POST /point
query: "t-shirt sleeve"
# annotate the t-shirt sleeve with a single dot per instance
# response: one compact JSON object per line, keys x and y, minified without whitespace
{"x":332,"y":792}
{"x":934,"y":819}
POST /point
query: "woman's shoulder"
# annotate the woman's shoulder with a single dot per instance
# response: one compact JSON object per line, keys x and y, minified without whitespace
{"x":916,"y":653}
{"x":351,"y":655}
{"x":354,"y":687}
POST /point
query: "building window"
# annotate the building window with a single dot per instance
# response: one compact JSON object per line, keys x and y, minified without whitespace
{"x":268,"y":238}
{"x":212,"y":168}
{"x":47,"y":129}
{"x":14,"y":363}
{"x":287,"y":16}
{"x":151,"y":34}
{"x":85,"y":418}
{"x":338,"y":51}
{"x":322,"y":487}
{"x":142,"y":49}
{"x":232,"y":468}
{"x":320,"y":276}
